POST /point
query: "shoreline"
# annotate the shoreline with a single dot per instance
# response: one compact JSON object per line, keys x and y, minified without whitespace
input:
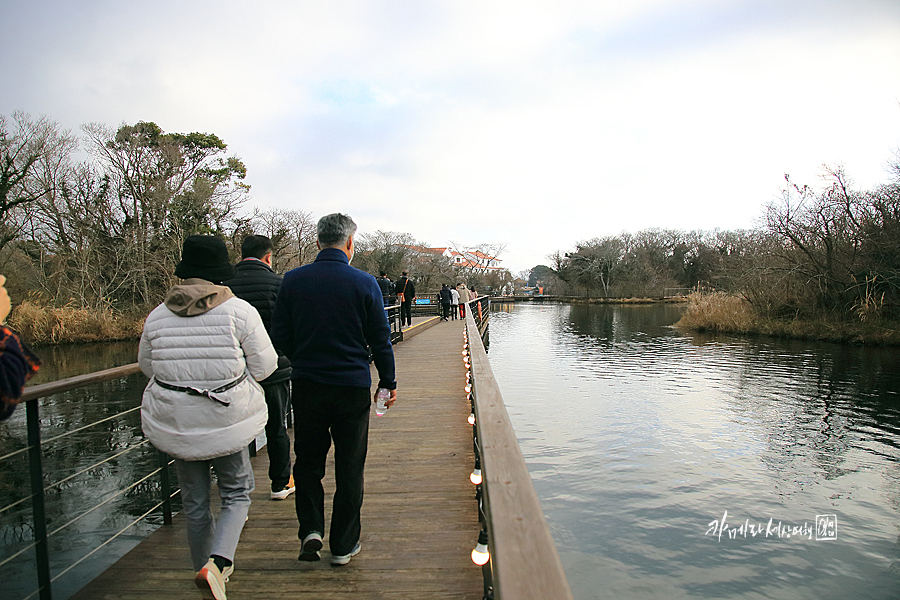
{"x":701,"y":318}
{"x":738,"y":321}
{"x":812,"y":331}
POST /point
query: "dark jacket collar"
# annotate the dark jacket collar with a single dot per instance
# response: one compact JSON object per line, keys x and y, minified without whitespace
{"x":253,"y":263}
{"x":333,"y":254}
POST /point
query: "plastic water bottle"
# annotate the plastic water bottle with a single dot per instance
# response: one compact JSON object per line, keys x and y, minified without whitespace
{"x":381,"y":401}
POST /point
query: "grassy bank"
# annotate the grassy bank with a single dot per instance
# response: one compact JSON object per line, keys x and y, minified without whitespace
{"x":44,"y":325}
{"x":720,"y":312}
{"x":671,"y":300}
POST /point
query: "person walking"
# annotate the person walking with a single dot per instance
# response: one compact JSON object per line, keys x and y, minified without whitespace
{"x":387,"y":288}
{"x":204,"y":351}
{"x":256,"y":282}
{"x":463,"y":299}
{"x":454,"y":304}
{"x":406,"y":293}
{"x":445,"y":297}
{"x":327,"y":316}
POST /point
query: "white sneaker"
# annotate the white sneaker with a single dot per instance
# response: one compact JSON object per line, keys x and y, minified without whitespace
{"x":343,"y":559}
{"x":211,"y":581}
{"x":284,"y":492}
{"x":309,"y":549}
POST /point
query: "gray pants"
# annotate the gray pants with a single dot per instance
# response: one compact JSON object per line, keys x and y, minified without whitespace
{"x":235,"y":482}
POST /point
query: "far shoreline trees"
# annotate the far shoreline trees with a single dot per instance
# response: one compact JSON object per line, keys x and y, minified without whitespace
{"x":96,"y":222}
{"x":832,"y":253}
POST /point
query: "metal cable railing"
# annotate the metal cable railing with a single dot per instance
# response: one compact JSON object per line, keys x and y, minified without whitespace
{"x":35,"y":449}
{"x":393,"y":315}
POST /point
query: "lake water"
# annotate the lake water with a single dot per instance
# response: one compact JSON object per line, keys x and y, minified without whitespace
{"x":639,"y":439}
{"x":672,"y":465}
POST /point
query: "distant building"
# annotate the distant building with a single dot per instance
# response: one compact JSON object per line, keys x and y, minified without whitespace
{"x":472,"y":259}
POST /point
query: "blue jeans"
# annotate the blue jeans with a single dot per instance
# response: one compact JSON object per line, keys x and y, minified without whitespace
{"x":235,"y":482}
{"x":323,"y":413}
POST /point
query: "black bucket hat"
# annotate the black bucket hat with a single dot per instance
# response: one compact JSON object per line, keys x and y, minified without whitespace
{"x":204,"y":257}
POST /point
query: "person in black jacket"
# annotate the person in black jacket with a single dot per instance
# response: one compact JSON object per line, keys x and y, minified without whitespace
{"x":406,"y":293}
{"x":387,"y":288}
{"x":446,"y":299}
{"x":256,"y":282}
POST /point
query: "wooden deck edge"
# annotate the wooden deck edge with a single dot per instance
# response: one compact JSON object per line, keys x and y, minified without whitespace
{"x":420,"y":327}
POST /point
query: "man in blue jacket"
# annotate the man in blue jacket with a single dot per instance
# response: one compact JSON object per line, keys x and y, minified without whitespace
{"x":327,"y":315}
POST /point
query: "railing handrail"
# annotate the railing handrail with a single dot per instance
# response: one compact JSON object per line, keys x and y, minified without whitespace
{"x":524,"y":560}
{"x":70,"y":383}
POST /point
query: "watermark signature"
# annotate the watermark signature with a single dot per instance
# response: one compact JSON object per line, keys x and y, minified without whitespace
{"x":824,"y":528}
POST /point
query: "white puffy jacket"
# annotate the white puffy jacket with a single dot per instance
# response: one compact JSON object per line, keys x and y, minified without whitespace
{"x":203,"y":337}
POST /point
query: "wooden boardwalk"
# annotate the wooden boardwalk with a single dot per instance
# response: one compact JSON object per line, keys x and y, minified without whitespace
{"x":419,"y":517}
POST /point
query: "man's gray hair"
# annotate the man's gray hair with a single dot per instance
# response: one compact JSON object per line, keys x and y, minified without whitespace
{"x":335,"y":229}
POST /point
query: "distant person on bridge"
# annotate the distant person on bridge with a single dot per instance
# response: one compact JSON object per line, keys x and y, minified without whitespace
{"x":256,"y":282}
{"x":445,"y":298}
{"x":327,"y":316}
{"x":406,"y":293}
{"x":204,"y":351}
{"x":387,"y":288}
{"x":454,"y":303}
{"x":463,"y":298}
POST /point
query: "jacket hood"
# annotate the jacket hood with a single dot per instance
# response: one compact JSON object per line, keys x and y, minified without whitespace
{"x":196,"y":296}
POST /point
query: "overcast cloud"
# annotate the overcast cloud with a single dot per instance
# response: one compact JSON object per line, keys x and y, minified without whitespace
{"x":535,"y":124}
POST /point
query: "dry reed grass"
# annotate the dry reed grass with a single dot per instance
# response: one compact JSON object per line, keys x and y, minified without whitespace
{"x":722,"y":313}
{"x":718,"y":311}
{"x":39,"y":325}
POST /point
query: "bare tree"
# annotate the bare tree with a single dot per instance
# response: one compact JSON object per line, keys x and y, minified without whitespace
{"x":293,"y":233}
{"x":388,"y":251}
{"x":31,"y":158}
{"x":822,"y":237}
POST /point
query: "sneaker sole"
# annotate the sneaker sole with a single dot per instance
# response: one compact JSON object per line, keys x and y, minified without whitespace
{"x":310,"y":550}
{"x":282,"y":495}
{"x":339,"y":561}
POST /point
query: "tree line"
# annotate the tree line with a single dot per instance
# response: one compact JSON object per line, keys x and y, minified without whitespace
{"x":831,"y":252}
{"x":97,"y":220}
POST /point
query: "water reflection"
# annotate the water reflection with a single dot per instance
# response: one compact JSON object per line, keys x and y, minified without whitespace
{"x":639,"y":436}
{"x":69,"y":460}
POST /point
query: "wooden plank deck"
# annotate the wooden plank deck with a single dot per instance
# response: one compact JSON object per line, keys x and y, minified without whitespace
{"x":419,"y":517}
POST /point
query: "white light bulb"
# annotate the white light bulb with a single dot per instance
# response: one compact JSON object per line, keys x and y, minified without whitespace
{"x":481,"y":554}
{"x":471,"y":418}
{"x":475,"y":477}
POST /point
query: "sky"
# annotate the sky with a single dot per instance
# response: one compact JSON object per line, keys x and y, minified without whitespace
{"x":535,"y":125}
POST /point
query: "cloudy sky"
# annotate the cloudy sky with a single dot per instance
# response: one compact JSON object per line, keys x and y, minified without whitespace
{"x":534,"y":124}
